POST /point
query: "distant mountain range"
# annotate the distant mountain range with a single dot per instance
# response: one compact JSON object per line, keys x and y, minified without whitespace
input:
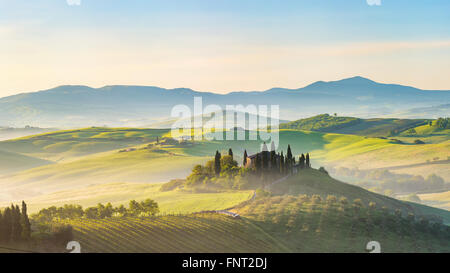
{"x":80,"y":106}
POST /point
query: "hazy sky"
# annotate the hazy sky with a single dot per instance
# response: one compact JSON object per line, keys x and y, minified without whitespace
{"x":222,"y":45}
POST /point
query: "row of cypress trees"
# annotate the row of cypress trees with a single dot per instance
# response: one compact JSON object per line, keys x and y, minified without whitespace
{"x":272,"y":162}
{"x":14,"y":224}
{"x":269,"y":161}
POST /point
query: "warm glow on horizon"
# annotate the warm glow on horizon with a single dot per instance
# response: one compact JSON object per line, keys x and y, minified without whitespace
{"x":209,"y":48}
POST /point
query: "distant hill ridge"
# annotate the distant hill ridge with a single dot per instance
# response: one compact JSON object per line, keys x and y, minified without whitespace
{"x":351,"y":125}
{"x":126,"y":105}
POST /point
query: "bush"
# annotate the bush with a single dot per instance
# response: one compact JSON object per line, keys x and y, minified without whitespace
{"x":61,"y":234}
{"x":322,"y":169}
{"x":172,"y":184}
{"x":331,"y":199}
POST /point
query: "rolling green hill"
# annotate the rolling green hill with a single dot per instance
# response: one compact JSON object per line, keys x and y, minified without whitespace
{"x":440,"y":199}
{"x":314,"y":182}
{"x":141,"y":162}
{"x":69,"y":144}
{"x":305,"y":223}
{"x":375,"y":127}
{"x":176,"y":201}
{"x":11,"y":162}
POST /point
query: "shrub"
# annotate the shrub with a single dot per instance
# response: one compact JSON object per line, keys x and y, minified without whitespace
{"x":61,"y":234}
{"x":322,"y":169}
{"x":331,"y":199}
{"x":172,"y":184}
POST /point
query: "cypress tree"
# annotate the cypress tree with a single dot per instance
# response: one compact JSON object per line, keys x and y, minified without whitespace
{"x":273,"y":160}
{"x":2,"y":227}
{"x":16,"y":231}
{"x":282,"y":163}
{"x":288,"y":158}
{"x":258,"y":163}
{"x":217,"y":163}
{"x":230,"y":153}
{"x":265,"y":157}
{"x":302,"y":161}
{"x":244,"y":162}
{"x":25,"y":222}
{"x":272,"y":147}
{"x":308,"y":163}
{"x":7,"y":225}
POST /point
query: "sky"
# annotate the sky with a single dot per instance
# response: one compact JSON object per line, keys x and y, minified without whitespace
{"x":222,"y":45}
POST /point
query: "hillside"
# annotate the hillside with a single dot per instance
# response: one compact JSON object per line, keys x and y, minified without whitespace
{"x":105,"y":155}
{"x":288,"y":221}
{"x":11,"y":133}
{"x":308,"y":224}
{"x":68,"y":144}
{"x":314,"y":182}
{"x":134,"y":106}
{"x":174,"y":234}
{"x":174,"y":201}
{"x":376,"y":127}
{"x":440,"y":199}
{"x":11,"y":162}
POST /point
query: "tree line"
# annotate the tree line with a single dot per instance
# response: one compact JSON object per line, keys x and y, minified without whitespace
{"x":147,"y":207}
{"x":272,"y":162}
{"x":14,"y":224}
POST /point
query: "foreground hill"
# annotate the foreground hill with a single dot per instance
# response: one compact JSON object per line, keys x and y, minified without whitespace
{"x":269,"y":225}
{"x":284,"y":222}
{"x":313,"y":182}
{"x":76,"y":106}
{"x":311,"y":224}
{"x":173,"y":234}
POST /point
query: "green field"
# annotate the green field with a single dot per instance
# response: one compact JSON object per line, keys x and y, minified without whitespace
{"x":440,"y":199}
{"x":104,"y":163}
{"x":375,"y":127}
{"x":11,"y":162}
{"x":69,"y":144}
{"x":121,"y":193}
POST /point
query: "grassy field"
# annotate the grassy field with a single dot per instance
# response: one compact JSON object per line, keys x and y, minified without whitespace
{"x":376,"y":127}
{"x":11,"y":162}
{"x":69,"y":144}
{"x":121,"y":193}
{"x":95,"y":156}
{"x":441,"y":199}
